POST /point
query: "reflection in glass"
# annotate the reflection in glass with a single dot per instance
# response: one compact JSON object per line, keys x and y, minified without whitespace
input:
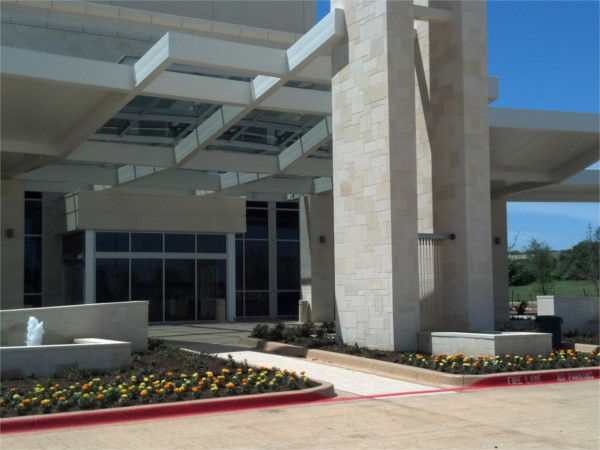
{"x":112,"y":242}
{"x":112,"y":280}
{"x":257,"y":221}
{"x":179,"y":243}
{"x":256,"y":304}
{"x":146,"y":284}
{"x":287,"y":224}
{"x":179,"y":289}
{"x":287,"y":303}
{"x":146,"y":242}
{"x":288,"y":265}
{"x":211,"y":243}
{"x":33,"y":265}
{"x":211,"y":287}
{"x":33,"y":217}
{"x":257,"y":265}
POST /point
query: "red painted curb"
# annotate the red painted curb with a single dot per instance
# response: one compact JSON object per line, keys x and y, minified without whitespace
{"x":533,"y":377}
{"x":150,"y":412}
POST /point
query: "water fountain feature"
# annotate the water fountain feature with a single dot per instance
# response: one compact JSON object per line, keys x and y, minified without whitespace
{"x":35,"y":332}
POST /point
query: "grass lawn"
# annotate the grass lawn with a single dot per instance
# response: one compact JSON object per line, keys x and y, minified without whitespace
{"x":563,"y":288}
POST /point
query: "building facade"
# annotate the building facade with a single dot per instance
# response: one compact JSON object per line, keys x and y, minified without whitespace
{"x":242,"y":155}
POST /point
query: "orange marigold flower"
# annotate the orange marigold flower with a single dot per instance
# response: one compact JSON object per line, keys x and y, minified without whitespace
{"x":26,"y":401}
{"x":100,"y":397}
{"x":62,"y":399}
{"x":143,"y":393}
{"x":230,"y":385}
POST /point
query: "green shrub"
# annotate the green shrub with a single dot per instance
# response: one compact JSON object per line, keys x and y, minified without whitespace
{"x":260,"y":331}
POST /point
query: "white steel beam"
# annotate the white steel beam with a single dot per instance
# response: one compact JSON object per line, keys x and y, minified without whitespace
{"x":18,"y":63}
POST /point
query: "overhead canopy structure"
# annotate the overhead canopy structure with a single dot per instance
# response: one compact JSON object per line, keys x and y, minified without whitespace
{"x":247,"y":119}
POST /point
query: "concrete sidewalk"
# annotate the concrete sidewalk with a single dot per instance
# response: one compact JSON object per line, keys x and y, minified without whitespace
{"x":226,"y":339}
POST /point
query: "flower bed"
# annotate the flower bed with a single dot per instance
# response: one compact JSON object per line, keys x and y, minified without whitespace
{"x":163,"y":375}
{"x":307,"y":335}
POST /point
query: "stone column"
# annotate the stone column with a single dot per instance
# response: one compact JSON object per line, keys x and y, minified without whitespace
{"x":500,"y":262}
{"x":459,"y":139}
{"x":374,"y":176}
{"x":316,"y":256}
{"x":13,"y":244}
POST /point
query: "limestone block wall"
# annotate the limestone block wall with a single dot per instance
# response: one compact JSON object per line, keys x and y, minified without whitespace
{"x":459,"y":140}
{"x":374,"y":176}
{"x":121,"y":321}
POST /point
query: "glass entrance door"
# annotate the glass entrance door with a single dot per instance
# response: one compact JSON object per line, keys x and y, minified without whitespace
{"x":211,"y":283}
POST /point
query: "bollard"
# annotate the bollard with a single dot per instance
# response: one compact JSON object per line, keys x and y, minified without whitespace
{"x":304,"y":311}
{"x":221,"y":309}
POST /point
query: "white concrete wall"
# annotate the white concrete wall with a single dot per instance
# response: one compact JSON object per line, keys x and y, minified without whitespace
{"x":290,"y":15}
{"x":87,"y":210}
{"x":50,"y":360}
{"x":122,"y":321}
{"x":491,"y":344}
{"x":12,"y":262}
{"x":578,"y":313}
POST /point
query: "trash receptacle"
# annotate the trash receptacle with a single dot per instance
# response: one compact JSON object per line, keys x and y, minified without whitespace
{"x":550,"y":324}
{"x":304,"y":311}
{"x":221,"y":310}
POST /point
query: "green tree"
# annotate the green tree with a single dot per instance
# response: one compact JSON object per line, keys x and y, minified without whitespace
{"x":581,"y":262}
{"x":541,"y":263}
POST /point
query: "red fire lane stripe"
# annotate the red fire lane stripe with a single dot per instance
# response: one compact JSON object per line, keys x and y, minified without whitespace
{"x":172,"y":410}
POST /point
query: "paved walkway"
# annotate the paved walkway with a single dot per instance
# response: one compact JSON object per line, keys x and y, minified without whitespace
{"x":226,"y":341}
{"x":549,"y":416}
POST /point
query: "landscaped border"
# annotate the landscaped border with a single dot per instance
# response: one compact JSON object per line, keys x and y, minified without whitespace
{"x":165,"y":410}
{"x":425,"y":376}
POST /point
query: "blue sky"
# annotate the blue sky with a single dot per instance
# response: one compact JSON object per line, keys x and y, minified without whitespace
{"x":546,"y":55}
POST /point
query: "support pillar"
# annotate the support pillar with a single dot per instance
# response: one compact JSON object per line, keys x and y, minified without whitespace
{"x":13,"y":244}
{"x":316,"y":256}
{"x":500,"y":262}
{"x":374,"y":176}
{"x":459,"y":139}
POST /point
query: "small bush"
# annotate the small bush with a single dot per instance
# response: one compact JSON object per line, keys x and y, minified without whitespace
{"x":305,"y":330}
{"x":260,"y":331}
{"x":276,"y":333}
